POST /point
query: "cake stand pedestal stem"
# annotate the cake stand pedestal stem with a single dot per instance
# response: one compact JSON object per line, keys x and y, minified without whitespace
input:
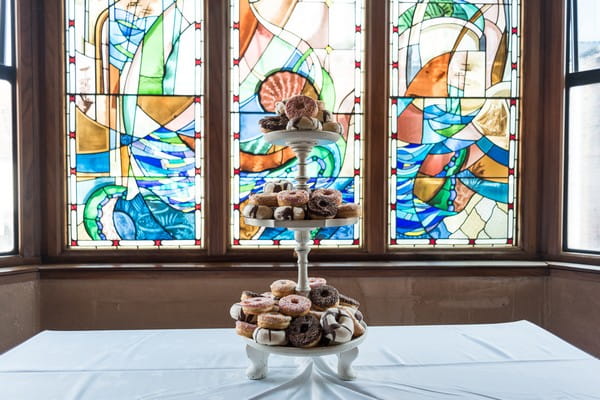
{"x":302,"y":237}
{"x":302,"y":150}
{"x":259,"y":363}
{"x":345,"y":359}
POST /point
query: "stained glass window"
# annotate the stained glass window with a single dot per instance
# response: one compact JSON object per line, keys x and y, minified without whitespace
{"x":454,"y":110}
{"x":280,"y":49}
{"x":134,"y":121}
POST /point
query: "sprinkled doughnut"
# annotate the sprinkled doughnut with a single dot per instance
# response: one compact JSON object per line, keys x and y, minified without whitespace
{"x":273,"y":123}
{"x":316,"y":282}
{"x":273,"y":320}
{"x":332,"y":194}
{"x":304,"y":331}
{"x":283,"y":287}
{"x":324,"y":297}
{"x":321,"y":207}
{"x":338,"y":326}
{"x":294,"y":305}
{"x":257,"y":305}
{"x":300,"y":106}
{"x":294,"y":198}
{"x":270,"y":337}
{"x":265,"y":199}
{"x":332,"y":126}
{"x":277,"y":186}
{"x":287,"y":213}
{"x":244,"y":328}
{"x":238,"y":314}
{"x":258,"y":212}
{"x":348,"y":210}
{"x":246,"y":294}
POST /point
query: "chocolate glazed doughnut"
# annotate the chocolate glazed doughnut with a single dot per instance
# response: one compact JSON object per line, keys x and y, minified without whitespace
{"x":304,"y":331}
{"x":322,"y":207}
{"x":323,"y":297}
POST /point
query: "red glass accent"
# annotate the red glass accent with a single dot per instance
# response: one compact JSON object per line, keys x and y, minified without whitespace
{"x":356,"y":64}
{"x":236,"y":135}
{"x":509,"y":241}
{"x":198,"y":207}
{"x":236,"y":242}
{"x":513,"y":65}
{"x":356,"y":171}
{"x":317,"y":242}
{"x":72,"y":135}
{"x":393,"y":206}
{"x":513,"y":102}
{"x":198,"y":135}
{"x":393,"y":171}
{"x":511,"y":206}
{"x":197,"y":171}
{"x":394,"y":65}
{"x":73,"y":242}
{"x":72,"y":97}
{"x":71,"y":60}
{"x":432,"y":241}
{"x":276,"y":242}
{"x":514,"y":30}
{"x":471,"y":241}
{"x":198,"y":61}
{"x":236,"y":61}
{"x":236,"y":98}
{"x":197,"y":99}
{"x":355,"y":242}
{"x":357,"y":100}
{"x":394,"y":135}
{"x":357,"y":136}
{"x":198,"y":25}
{"x":236,"y":171}
{"x":393,"y":241}
{"x":236,"y":206}
{"x":73,"y":171}
{"x":74,"y":207}
{"x":115,"y":242}
{"x":158,"y":242}
{"x":513,"y":137}
{"x":394,"y":101}
{"x":236,"y":25}
{"x":358,"y":28}
{"x":198,"y":242}
{"x":71,"y":22}
{"x":395,"y":29}
{"x":511,"y":171}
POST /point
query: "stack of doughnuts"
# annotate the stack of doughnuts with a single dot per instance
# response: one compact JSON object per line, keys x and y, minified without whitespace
{"x":300,"y":113}
{"x":281,"y":317}
{"x":281,"y":202}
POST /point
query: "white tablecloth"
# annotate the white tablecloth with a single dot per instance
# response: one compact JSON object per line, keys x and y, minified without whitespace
{"x":499,"y":361}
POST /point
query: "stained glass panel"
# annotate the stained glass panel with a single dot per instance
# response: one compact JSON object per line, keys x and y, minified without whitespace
{"x":280,"y":49}
{"x":134,"y":122}
{"x":454,"y":107}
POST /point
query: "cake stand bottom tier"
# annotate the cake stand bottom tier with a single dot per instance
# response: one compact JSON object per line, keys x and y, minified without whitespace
{"x":258,"y":355}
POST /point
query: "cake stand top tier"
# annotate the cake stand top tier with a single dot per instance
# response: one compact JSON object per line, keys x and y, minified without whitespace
{"x":302,"y":223}
{"x":285,"y":138}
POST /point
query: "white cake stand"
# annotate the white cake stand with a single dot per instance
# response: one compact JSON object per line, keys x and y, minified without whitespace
{"x":258,"y":354}
{"x":302,"y":143}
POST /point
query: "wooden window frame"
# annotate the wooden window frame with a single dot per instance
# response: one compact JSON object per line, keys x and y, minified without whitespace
{"x":42,"y":194}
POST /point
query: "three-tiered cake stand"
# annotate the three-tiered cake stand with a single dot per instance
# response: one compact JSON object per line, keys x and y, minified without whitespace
{"x":302,"y":142}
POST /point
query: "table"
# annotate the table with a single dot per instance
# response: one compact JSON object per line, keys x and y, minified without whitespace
{"x":516,"y":360}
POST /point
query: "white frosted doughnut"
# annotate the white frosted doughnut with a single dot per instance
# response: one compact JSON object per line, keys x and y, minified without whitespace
{"x":338,"y":326}
{"x":277,"y":186}
{"x":304,"y":123}
{"x":280,"y":108}
{"x":331,"y":126}
{"x":288,"y":213}
{"x":238,"y":314}
{"x":270,"y":337}
{"x":258,"y":212}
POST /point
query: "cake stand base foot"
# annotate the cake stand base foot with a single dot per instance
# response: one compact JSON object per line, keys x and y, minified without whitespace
{"x":259,"y":363}
{"x":345,"y":359}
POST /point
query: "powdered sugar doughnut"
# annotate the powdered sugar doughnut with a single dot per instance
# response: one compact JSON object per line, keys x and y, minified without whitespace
{"x":304,"y":123}
{"x":294,"y":198}
{"x":264,"y":199}
{"x":316,"y":282}
{"x":338,"y":326}
{"x":300,"y":106}
{"x":257,"y":305}
{"x":348,"y":210}
{"x":244,"y":328}
{"x":294,"y":305}
{"x":283,"y":287}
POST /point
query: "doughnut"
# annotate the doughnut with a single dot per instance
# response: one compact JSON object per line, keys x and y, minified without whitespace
{"x":304,"y":331}
{"x":288,"y":213}
{"x":332,"y":194}
{"x":246,"y":294}
{"x":257,"y":305}
{"x":324,"y":297}
{"x":267,"y":199}
{"x":331,"y":126}
{"x":348,"y":301}
{"x":273,"y":320}
{"x":273,"y":123}
{"x":283,"y":287}
{"x":294,"y":305}
{"x":316,"y":282}
{"x":323,"y":116}
{"x":321,"y":207}
{"x":258,"y":212}
{"x":280,"y":108}
{"x":348,"y":210}
{"x":270,"y":337}
{"x":338,"y":326}
{"x":359,"y":325}
{"x":244,"y":328}
{"x":304,"y":123}
{"x":238,"y":314}
{"x":300,"y":106}
{"x":294,"y":198}
{"x":277,"y":186}
{"x":270,"y":295}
